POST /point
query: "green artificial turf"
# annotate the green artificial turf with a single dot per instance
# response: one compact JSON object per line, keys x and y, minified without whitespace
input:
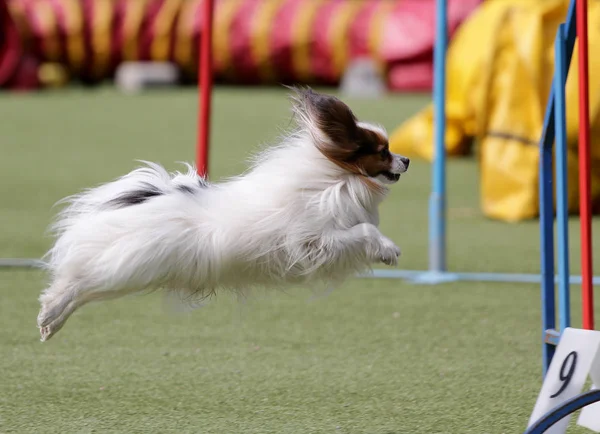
{"x":373,"y":356}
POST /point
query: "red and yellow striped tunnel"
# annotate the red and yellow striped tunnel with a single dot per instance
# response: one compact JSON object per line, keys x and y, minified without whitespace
{"x":255,"y":41}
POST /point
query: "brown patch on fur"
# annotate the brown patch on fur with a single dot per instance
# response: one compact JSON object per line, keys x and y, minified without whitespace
{"x":338,"y":136}
{"x":374,"y":156}
{"x":330,"y":121}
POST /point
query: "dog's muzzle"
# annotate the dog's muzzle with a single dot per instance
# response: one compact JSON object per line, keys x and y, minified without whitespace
{"x":399,"y":166}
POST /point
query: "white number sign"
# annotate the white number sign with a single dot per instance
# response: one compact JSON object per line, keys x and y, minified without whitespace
{"x":577,"y":355}
{"x":590,"y":415}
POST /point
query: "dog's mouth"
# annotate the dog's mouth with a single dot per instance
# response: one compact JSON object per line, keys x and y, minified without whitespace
{"x":392,"y":177}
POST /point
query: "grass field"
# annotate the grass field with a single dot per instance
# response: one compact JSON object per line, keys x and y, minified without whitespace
{"x":373,"y":356}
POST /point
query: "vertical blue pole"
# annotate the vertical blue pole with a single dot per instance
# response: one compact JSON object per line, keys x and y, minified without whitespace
{"x":547,"y":239}
{"x":547,"y":252}
{"x":546,"y":202}
{"x":560,"y":79}
{"x":437,"y":199}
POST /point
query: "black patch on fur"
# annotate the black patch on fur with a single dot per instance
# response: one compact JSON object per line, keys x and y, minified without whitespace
{"x":185,"y":189}
{"x":135,"y":197}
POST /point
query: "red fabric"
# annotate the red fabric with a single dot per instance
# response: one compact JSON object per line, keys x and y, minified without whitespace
{"x":18,"y":71}
{"x":415,"y":75}
{"x":281,"y":42}
{"x":409,"y":35}
{"x":147,"y":33}
{"x":116,"y":43}
{"x":321,"y":51}
{"x":360,"y":29}
{"x":10,"y":45}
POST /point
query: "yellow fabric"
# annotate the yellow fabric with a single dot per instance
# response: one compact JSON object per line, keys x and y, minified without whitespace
{"x":101,"y":36}
{"x":264,"y":22}
{"x":339,"y":34}
{"x":48,"y":24}
{"x":162,"y":30}
{"x":302,"y":28}
{"x":184,"y":52}
{"x":74,"y":24}
{"x":500,"y":66}
{"x":133,"y":20}
{"x":221,"y":38}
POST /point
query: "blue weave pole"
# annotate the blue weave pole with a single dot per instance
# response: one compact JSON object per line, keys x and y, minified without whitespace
{"x":547,"y":251}
{"x":437,"y":200}
{"x":567,"y":34}
{"x":562,"y":212}
{"x":563,"y":410}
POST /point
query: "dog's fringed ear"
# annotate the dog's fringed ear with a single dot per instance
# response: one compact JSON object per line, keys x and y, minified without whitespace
{"x":330,"y":122}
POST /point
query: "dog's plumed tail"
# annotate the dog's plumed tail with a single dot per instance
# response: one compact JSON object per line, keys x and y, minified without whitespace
{"x":134,"y":188}
{"x":92,"y":232}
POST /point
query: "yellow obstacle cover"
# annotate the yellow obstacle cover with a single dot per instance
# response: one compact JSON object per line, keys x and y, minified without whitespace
{"x":500,"y":66}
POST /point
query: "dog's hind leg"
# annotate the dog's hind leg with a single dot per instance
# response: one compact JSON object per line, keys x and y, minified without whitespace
{"x":53,"y":323}
{"x":54,"y":300}
{"x":58,"y":303}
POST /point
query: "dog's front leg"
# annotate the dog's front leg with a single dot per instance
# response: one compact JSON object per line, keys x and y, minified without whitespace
{"x":377,"y":247}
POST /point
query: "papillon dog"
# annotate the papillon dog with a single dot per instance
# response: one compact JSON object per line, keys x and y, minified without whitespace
{"x":306,"y":212}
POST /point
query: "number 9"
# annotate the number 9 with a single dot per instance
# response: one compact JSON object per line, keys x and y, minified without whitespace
{"x":566,"y":377}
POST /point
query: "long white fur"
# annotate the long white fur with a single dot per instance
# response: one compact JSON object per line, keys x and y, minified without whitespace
{"x":294,"y":217}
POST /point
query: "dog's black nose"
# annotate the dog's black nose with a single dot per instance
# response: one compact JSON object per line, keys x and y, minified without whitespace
{"x":405,"y":161}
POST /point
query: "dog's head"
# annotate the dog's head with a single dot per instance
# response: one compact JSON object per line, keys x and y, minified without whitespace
{"x":358,"y":147}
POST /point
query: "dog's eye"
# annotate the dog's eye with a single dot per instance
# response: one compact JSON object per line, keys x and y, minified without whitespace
{"x":385,"y":153}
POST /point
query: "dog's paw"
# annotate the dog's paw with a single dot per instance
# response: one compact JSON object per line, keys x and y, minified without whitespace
{"x":45,"y":333}
{"x":389,"y":253}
